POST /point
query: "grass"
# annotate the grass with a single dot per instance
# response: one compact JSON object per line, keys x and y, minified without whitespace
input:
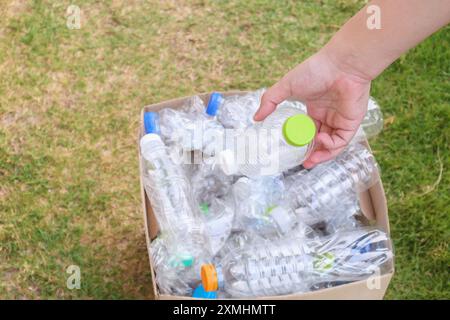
{"x":69,"y":112}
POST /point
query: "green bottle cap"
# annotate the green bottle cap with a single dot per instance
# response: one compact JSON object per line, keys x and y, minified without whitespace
{"x":299,"y":130}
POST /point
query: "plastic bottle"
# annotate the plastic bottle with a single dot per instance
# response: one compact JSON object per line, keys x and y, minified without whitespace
{"x":282,"y":141}
{"x":348,"y":216}
{"x":295,"y":264}
{"x":320,"y":193}
{"x":174,"y":273}
{"x":218,"y":217}
{"x":209,"y":182}
{"x":191,"y":128}
{"x":257,"y":207}
{"x":372,"y":123}
{"x":170,"y":195}
{"x":236,"y":111}
{"x":236,"y":241}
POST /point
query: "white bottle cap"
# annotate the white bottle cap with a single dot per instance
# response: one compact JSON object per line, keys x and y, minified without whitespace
{"x":227,"y":162}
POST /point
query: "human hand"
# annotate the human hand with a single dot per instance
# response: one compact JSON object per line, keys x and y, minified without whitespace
{"x":336,"y":99}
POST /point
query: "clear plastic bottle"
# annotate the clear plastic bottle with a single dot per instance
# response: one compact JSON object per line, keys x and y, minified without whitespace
{"x":282,"y":141}
{"x":209,"y":182}
{"x":320,"y":193}
{"x":296,"y":264}
{"x":236,"y":241}
{"x":174,"y":272}
{"x":170,"y":195}
{"x":372,"y":123}
{"x":218,"y":217}
{"x":236,"y":112}
{"x":191,"y":129}
{"x":257,"y":207}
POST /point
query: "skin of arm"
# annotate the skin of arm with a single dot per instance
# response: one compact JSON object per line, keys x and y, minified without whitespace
{"x":404,"y":24}
{"x":335,"y":82}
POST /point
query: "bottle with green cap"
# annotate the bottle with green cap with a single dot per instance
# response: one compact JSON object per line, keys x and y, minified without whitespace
{"x":282,"y":141}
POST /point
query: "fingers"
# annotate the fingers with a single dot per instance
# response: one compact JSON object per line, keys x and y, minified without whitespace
{"x":276,"y":94}
{"x":320,"y":156}
{"x":328,"y":146}
{"x":336,"y":140}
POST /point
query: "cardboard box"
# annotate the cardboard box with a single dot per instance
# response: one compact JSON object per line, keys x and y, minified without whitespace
{"x":373,"y":205}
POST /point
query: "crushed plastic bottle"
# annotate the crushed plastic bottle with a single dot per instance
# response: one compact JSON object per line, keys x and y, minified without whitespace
{"x":372,"y":123}
{"x":173,"y":272}
{"x":190,"y":129}
{"x":317,"y":194}
{"x":347,"y":217}
{"x":169,"y":193}
{"x":209,"y":182}
{"x":218,"y":216}
{"x":282,"y":141}
{"x":236,"y":241}
{"x":293,"y":265}
{"x":173,"y":122}
{"x":236,"y":111}
{"x":257,"y":207}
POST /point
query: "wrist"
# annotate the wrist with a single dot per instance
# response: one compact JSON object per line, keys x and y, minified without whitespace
{"x":349,"y":59}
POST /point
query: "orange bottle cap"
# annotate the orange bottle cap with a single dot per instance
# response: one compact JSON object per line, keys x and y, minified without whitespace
{"x":209,"y":277}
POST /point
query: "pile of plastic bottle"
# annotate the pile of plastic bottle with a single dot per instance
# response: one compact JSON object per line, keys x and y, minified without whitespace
{"x":238,"y":215}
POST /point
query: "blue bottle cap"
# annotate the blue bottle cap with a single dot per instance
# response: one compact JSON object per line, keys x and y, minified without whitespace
{"x":151,"y":123}
{"x":214,"y":103}
{"x":200,"y":292}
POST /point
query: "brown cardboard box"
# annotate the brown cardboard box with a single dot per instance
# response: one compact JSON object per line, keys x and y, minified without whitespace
{"x":373,"y":204}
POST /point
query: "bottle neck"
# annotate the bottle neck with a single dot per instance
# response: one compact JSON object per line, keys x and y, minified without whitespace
{"x":220,"y":279}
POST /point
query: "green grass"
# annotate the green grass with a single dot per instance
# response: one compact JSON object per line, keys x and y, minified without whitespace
{"x":69,"y":113}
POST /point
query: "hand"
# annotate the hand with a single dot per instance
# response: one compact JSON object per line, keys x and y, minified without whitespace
{"x":336,"y":99}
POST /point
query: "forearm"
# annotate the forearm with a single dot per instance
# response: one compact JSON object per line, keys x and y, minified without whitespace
{"x":403,"y":24}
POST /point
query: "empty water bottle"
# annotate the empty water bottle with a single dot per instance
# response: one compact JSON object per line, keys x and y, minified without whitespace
{"x":295,"y":264}
{"x":209,"y":182}
{"x":218,"y":215}
{"x":282,"y":141}
{"x":174,"y":273}
{"x":170,"y":195}
{"x":236,"y":111}
{"x":320,"y":193}
{"x":191,"y":129}
{"x":372,"y":123}
{"x":257,"y":207}
{"x":348,"y":216}
{"x":236,"y":241}
{"x":174,"y":122}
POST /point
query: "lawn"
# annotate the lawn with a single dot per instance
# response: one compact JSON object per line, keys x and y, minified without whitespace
{"x":69,"y":114}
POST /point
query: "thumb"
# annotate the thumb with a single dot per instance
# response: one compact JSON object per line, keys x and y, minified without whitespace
{"x":276,"y":94}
